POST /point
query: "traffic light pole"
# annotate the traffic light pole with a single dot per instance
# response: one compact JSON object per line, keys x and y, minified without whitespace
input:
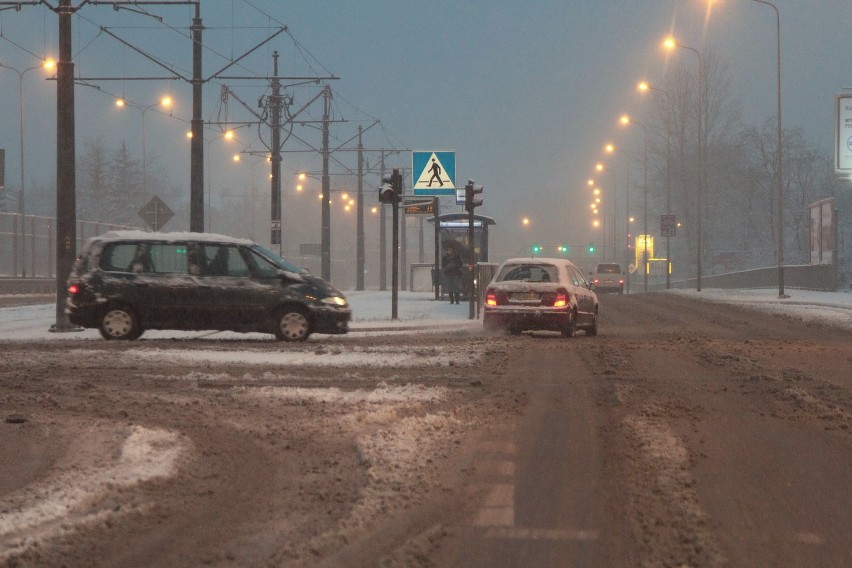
{"x":437,"y":283}
{"x":395,"y":262}
{"x":472,"y":261}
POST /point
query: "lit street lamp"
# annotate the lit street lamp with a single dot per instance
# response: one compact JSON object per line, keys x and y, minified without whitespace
{"x":645,"y":87}
{"x":625,"y":119}
{"x":610,"y":148}
{"x":47,"y":64}
{"x":671,"y":43}
{"x":228,"y":136}
{"x":165,"y":102}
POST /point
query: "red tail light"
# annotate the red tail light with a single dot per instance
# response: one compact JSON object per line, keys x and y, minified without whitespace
{"x":490,"y":298}
{"x":73,"y":289}
{"x":561,"y":299}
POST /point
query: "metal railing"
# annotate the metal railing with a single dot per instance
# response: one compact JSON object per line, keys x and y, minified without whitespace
{"x":28,"y":243}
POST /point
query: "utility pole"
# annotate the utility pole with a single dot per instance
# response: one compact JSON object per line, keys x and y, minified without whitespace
{"x":276,"y":237}
{"x":326,"y":189}
{"x":66,"y":189}
{"x":383,"y":238}
{"x":196,"y":154}
{"x":359,"y":254}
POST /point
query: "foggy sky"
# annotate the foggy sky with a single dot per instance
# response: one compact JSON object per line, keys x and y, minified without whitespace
{"x":526,"y":93}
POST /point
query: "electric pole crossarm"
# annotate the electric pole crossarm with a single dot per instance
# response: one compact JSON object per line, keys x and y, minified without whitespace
{"x":242,"y":102}
{"x":145,"y":55}
{"x":246,"y":54}
{"x":353,"y":138}
{"x":302,"y":80}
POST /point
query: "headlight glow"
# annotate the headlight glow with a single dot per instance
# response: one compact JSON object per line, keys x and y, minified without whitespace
{"x":334,"y":301}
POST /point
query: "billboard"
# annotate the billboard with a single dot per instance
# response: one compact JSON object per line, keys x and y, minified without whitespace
{"x":843,"y":133}
{"x":822,"y":231}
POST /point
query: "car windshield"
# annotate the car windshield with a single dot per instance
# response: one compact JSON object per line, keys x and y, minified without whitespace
{"x":609,"y":269}
{"x":277,"y":260}
{"x":528,"y":273}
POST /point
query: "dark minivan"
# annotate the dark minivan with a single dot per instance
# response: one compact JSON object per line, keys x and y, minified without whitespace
{"x":125,"y":282}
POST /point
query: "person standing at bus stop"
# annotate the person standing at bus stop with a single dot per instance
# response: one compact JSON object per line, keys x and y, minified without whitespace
{"x":451,"y":266}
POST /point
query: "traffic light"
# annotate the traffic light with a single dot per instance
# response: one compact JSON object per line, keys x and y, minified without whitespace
{"x":562,"y":248}
{"x":591,"y":248}
{"x":536,"y":249}
{"x":391,"y":190}
{"x":472,"y":199}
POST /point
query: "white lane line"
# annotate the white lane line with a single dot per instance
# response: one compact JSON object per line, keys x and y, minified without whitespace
{"x":499,"y":507}
{"x":512,"y":533}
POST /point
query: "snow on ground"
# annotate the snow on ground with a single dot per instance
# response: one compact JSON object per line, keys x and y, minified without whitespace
{"x":833,"y":308}
{"x":371,"y":312}
{"x":420,"y":312}
{"x":46,"y":509}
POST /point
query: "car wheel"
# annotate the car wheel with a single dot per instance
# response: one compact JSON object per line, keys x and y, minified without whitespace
{"x":293,"y":325}
{"x":571,"y":326}
{"x":120,"y":323}
{"x":593,"y":329}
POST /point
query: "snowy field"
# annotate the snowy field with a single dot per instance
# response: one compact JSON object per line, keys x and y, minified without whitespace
{"x":419,"y":312}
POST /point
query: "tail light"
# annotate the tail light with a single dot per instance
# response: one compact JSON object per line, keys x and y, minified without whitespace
{"x":490,"y":298}
{"x":596,"y":281}
{"x":621,"y":281}
{"x":561,"y":299}
{"x":73,"y":289}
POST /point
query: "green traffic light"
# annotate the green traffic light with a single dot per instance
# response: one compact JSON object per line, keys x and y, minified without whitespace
{"x":563,"y":249}
{"x":536,"y":248}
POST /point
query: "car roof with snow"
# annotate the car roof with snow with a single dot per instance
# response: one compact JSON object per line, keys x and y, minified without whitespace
{"x":537,"y":260}
{"x":177,"y":236}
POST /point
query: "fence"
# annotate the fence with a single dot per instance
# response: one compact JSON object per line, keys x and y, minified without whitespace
{"x":28,"y":243}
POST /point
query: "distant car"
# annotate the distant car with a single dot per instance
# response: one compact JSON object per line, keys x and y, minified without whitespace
{"x":125,"y":282}
{"x":608,"y":278}
{"x":540,"y":294}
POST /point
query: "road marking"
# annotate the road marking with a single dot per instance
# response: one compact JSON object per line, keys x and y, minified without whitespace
{"x":512,"y":533}
{"x":499,"y":507}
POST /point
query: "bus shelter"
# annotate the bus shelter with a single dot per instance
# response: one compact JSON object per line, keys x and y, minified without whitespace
{"x":452,"y":234}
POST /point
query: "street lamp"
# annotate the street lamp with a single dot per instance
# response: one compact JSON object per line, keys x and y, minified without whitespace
{"x":626,"y":120}
{"x":670,"y":44}
{"x":48,"y":65}
{"x":228,"y":136}
{"x":779,"y":187}
{"x":610,"y":148}
{"x":165,"y":102}
{"x":645,"y":87}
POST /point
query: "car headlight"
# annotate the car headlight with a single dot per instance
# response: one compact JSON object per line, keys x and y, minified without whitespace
{"x":334,"y":300}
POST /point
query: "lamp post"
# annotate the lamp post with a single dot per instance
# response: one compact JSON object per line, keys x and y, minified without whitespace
{"x":779,"y":186}
{"x":610,"y":148}
{"x":226,"y":135}
{"x":645,"y":87}
{"x":625,"y":119}
{"x":166,"y":102}
{"x":671,"y":43}
{"x":47,"y":64}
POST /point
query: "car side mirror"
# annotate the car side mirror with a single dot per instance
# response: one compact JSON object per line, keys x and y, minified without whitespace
{"x":592,"y":285}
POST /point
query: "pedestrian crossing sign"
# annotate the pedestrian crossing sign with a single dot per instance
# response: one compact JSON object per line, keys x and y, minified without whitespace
{"x":434,"y":171}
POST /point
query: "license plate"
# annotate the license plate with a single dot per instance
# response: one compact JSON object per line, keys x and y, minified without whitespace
{"x":524,"y":296}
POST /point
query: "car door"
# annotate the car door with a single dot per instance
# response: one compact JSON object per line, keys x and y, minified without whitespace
{"x":171,"y":295}
{"x":231,"y":297}
{"x":585,"y":299}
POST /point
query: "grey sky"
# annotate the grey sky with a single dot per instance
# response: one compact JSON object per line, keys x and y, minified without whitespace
{"x":526,"y":93}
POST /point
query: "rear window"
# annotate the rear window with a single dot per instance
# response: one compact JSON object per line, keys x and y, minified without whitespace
{"x":609,"y":269}
{"x":528,"y":273}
